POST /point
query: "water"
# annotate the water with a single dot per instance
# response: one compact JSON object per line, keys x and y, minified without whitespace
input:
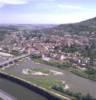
{"x":76,"y":83}
{"x":18,"y":92}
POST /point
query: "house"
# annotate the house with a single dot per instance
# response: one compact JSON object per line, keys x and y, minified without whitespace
{"x":45,"y":58}
{"x":62,"y":57}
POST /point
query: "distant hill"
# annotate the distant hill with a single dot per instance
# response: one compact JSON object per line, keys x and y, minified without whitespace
{"x":76,"y":28}
{"x":81,"y":28}
{"x":26,"y":26}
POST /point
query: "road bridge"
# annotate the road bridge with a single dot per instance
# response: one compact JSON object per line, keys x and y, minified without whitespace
{"x":12,"y":61}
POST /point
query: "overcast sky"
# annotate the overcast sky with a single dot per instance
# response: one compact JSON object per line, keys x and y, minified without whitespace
{"x":46,"y":11}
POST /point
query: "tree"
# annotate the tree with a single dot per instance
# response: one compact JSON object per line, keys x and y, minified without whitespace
{"x":15,"y":52}
{"x":90,"y":51}
{"x":88,"y":97}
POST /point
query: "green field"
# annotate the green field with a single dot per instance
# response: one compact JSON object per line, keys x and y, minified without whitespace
{"x":84,"y":74}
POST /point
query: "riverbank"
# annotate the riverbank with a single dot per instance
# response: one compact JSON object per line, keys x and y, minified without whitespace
{"x":64,"y":65}
{"x":77,"y":96}
{"x":83,"y":74}
{"x":73,"y":81}
{"x":40,"y":90}
{"x":68,"y":67}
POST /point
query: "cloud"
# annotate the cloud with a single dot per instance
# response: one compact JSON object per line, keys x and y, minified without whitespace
{"x":75,"y":7}
{"x":36,"y":18}
{"x":1,"y":5}
{"x":69,"y":7}
{"x":13,"y":2}
{"x":42,"y":18}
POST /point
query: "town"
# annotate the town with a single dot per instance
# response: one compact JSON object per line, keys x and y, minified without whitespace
{"x":53,"y":47}
{"x":71,"y":53}
{"x":47,"y":50}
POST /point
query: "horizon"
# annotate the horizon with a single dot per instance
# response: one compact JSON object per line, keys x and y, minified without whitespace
{"x":45,"y":23}
{"x":46,"y":12}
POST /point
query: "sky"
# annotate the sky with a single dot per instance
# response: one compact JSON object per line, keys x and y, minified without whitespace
{"x":46,"y":11}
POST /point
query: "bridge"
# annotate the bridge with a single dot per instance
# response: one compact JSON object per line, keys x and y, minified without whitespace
{"x":12,"y":61}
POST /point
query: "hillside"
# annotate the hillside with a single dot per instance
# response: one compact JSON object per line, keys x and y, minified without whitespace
{"x":80,"y":28}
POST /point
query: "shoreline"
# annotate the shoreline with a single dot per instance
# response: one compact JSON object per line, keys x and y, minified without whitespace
{"x":80,"y":75}
{"x":39,"y":90}
{"x":72,"y":71}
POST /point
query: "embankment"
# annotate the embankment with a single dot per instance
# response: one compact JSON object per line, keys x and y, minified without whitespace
{"x":33,"y":87}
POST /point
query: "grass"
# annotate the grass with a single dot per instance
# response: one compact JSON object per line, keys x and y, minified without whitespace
{"x":43,"y":70}
{"x":69,"y":67}
{"x":84,"y":74}
{"x":61,"y":65}
{"x":46,"y":82}
{"x":43,"y":81}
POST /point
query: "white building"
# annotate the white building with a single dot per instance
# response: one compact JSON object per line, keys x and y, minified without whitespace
{"x":45,"y":58}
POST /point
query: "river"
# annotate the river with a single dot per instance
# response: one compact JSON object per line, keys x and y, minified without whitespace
{"x":14,"y":91}
{"x":76,"y":83}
